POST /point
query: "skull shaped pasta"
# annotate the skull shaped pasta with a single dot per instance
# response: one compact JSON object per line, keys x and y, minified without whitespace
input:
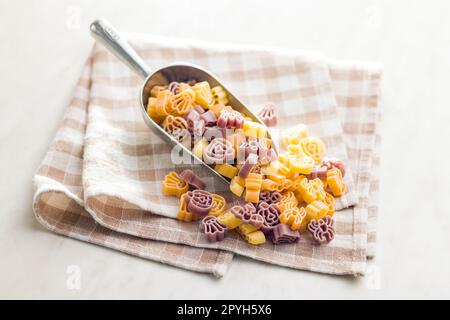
{"x":270,"y":213}
{"x":199,"y":202}
{"x":270,"y":197}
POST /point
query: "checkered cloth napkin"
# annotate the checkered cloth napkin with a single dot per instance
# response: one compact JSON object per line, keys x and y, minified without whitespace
{"x":101,"y":179}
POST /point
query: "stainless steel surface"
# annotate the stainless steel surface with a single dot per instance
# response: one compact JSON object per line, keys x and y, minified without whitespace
{"x":106,"y":34}
{"x":103,"y":32}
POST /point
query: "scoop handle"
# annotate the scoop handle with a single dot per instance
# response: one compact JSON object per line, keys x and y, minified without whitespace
{"x":106,"y":34}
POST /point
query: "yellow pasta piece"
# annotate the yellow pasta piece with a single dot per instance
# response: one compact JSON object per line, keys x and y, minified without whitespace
{"x":311,"y":190}
{"x":253,"y":181}
{"x":293,"y":216}
{"x":164,"y":103}
{"x":302,"y":165}
{"x":288,"y":200}
{"x":218,"y":107}
{"x":313,"y":147}
{"x":318,"y":189}
{"x":268,"y":185}
{"x":335,"y":182}
{"x":254,"y":130}
{"x":297,"y":163}
{"x":199,"y":147}
{"x":183,"y":86}
{"x":245,"y":228}
{"x":279,"y":168}
{"x":252,"y":195}
{"x":286,"y":184}
{"x":294,"y":134}
{"x":230,"y":220}
{"x":218,"y":206}
{"x":219,"y":95}
{"x":237,"y":185}
{"x":236,"y":138}
{"x":295,"y":150}
{"x":296,"y":183}
{"x":316,"y":210}
{"x":251,"y":129}
{"x":256,"y":237}
{"x":174,"y":185}
{"x":227,"y":170}
{"x":155,"y":90}
{"x":183,"y":212}
{"x":329,"y":201}
{"x":299,"y":196}
{"x":262,"y":131}
{"x":276,"y":177}
{"x":203,"y":95}
{"x":183,"y":102}
{"x":151,"y":110}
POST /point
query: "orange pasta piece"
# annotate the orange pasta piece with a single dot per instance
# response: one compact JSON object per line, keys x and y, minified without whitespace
{"x":183,"y":212}
{"x":173,"y":185}
{"x":335,"y":183}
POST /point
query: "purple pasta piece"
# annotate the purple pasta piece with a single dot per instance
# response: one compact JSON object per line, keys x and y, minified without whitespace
{"x":252,"y":147}
{"x":212,"y":133}
{"x":256,"y":220}
{"x":322,"y":230}
{"x":267,"y":114}
{"x":257,"y":147}
{"x":191,"y":82}
{"x":331,"y":163}
{"x":196,"y":125}
{"x":199,"y":202}
{"x":248,"y":165}
{"x":247,"y":214}
{"x":199,"y":128}
{"x":263,"y":153}
{"x":317,"y":172}
{"x":275,"y":197}
{"x":209,"y":117}
{"x":230,"y":119}
{"x":213,"y":228}
{"x":248,"y":147}
{"x":222,"y":121}
{"x":219,"y":151}
{"x":174,"y":87}
{"x":265,"y":196}
{"x":270,"y":214}
{"x":191,"y":117}
{"x":282,"y":233}
{"x":192,"y":179}
{"x":270,"y":197}
{"x":321,"y":170}
{"x":199,"y":109}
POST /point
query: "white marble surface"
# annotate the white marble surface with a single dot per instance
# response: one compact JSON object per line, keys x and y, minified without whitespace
{"x":44,"y":44}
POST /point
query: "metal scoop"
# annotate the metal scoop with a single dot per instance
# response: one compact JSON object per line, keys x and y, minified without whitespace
{"x":104,"y":32}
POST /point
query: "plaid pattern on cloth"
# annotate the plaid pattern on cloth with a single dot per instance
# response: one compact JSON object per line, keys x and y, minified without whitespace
{"x":101,"y":179}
